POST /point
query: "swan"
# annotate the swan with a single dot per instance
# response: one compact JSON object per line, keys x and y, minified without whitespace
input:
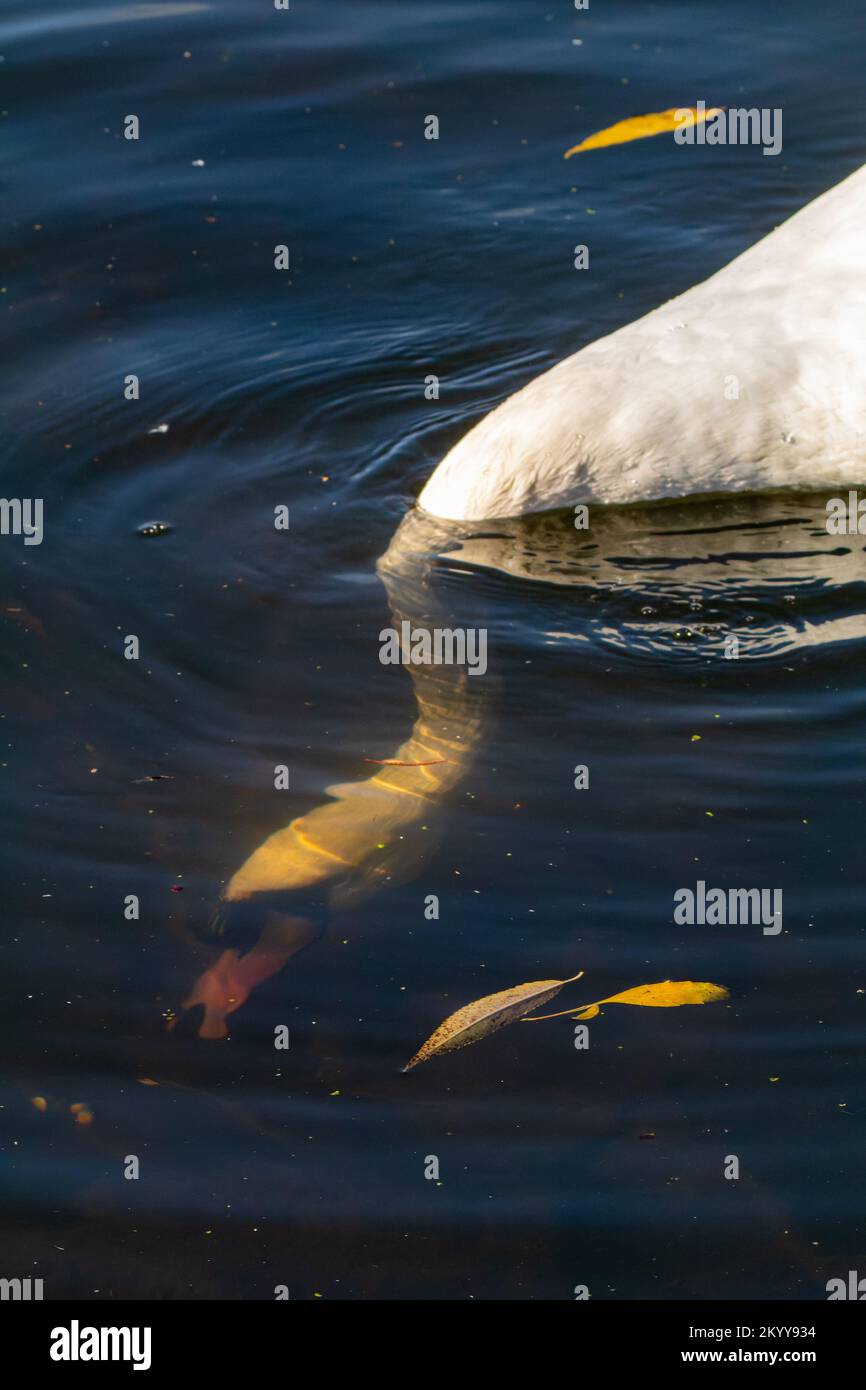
{"x":754,"y":380}
{"x":750,"y":382}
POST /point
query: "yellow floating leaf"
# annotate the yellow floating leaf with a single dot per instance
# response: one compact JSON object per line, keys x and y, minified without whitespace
{"x":639,"y":127}
{"x":474,"y":1021}
{"x":147,"y":1081}
{"x":668,"y":994}
{"x":39,"y":1103}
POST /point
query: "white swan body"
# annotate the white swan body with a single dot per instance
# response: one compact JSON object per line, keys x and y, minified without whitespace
{"x":752,"y":381}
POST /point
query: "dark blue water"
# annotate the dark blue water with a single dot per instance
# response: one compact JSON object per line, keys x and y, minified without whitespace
{"x":305,"y":388}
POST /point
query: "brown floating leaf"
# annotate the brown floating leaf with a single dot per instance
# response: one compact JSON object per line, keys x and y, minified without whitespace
{"x":667,"y":994}
{"x":39,"y":1103}
{"x":639,"y":127}
{"x":474,"y":1021}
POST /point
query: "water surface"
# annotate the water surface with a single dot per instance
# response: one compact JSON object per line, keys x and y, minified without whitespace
{"x":607,"y":648}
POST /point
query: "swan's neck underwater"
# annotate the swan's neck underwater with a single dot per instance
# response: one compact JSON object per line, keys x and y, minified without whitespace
{"x":647,"y":413}
{"x":753,"y":381}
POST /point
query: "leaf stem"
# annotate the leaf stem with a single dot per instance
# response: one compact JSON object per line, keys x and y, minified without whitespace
{"x":539,"y":1017}
{"x":574,"y":1011}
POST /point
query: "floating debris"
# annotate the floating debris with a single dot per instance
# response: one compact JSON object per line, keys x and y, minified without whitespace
{"x":154,"y":528}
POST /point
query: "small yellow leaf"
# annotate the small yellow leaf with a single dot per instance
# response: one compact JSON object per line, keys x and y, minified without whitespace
{"x":640,"y":127}
{"x":40,"y":1103}
{"x":474,"y":1021}
{"x":668,"y":994}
